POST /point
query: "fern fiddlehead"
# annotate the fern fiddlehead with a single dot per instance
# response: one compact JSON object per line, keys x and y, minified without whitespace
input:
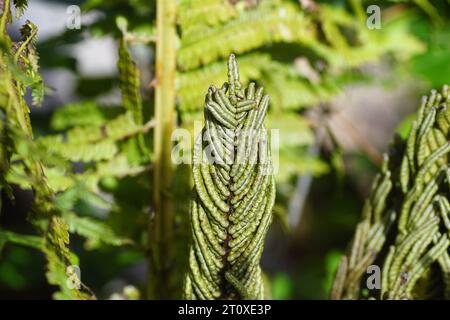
{"x":406,"y":220}
{"x":233,"y":196}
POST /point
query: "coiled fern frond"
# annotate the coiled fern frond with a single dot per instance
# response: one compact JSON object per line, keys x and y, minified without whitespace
{"x":406,"y":219}
{"x":233,"y":196}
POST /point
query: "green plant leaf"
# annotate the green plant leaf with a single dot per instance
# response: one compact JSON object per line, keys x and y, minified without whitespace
{"x":59,"y":262}
{"x":34,"y":242}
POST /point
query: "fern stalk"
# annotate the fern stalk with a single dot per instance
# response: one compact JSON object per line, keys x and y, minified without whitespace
{"x":161,"y":228}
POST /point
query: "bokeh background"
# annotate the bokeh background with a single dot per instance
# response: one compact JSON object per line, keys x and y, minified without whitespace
{"x":337,"y":97}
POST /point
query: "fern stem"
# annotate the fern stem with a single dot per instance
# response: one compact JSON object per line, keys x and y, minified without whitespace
{"x":161,"y":229}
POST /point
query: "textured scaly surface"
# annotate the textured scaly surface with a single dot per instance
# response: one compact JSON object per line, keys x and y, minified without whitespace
{"x":406,"y":220}
{"x":233,"y":196}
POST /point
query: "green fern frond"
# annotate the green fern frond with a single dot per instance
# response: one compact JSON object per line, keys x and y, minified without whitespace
{"x":18,"y":72}
{"x":234,"y":193}
{"x":84,"y":152}
{"x":27,"y":57}
{"x":194,"y":15}
{"x":118,"y":167}
{"x":427,"y":7}
{"x":34,"y":242}
{"x":95,"y":231}
{"x":28,"y":32}
{"x":191,"y":83}
{"x":365,"y":46}
{"x":294,"y":140}
{"x":290,"y":90}
{"x":61,"y":179}
{"x":59,"y":262}
{"x":271,"y":23}
{"x":129,"y":82}
{"x":93,"y":143}
{"x":282,"y":21}
{"x":82,"y":114}
{"x":21,"y":7}
{"x":282,"y":79}
{"x":406,"y":219}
